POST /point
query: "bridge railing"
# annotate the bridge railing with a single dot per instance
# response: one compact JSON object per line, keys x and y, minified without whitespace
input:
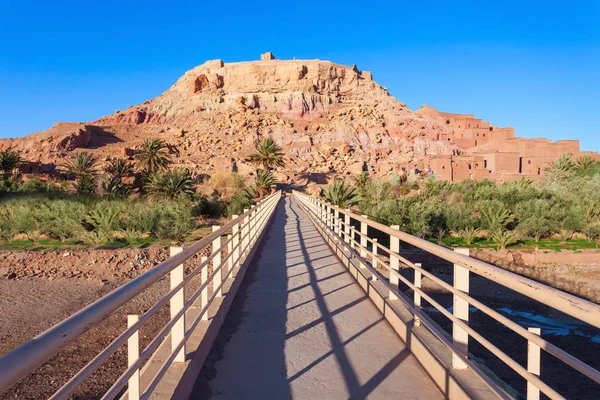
{"x":336,"y":222}
{"x":245,"y":231}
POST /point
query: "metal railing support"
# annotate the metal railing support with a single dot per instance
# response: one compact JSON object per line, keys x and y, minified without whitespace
{"x":336,"y":219}
{"x":236,"y":241}
{"x":533,"y":364}
{"x":417,"y":296}
{"x":347,"y":226}
{"x":216,"y":261}
{"x":203,"y":279}
{"x":374,"y":259}
{"x":363,"y":240}
{"x":461,"y":310}
{"x":245,"y":234}
{"x":394,"y":262}
{"x":133,"y":353}
{"x":176,"y":305}
{"x":229,"y":253}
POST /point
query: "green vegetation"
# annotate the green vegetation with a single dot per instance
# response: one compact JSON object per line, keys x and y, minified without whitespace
{"x":268,"y":154}
{"x":562,"y":211}
{"x":122,"y":203}
{"x":340,"y":194}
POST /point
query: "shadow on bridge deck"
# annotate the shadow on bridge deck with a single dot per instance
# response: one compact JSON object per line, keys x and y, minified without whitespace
{"x":300,"y":327}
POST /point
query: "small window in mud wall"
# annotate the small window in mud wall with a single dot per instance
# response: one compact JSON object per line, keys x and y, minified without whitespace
{"x":528,"y":161}
{"x":484,"y":163}
{"x":539,"y":171}
{"x":443,"y":167}
{"x":469,"y":166}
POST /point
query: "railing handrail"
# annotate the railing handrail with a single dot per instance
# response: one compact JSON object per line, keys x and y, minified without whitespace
{"x":343,"y":231}
{"x":21,"y":361}
{"x":577,"y":307}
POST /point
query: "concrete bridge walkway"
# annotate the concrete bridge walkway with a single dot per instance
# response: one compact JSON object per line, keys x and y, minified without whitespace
{"x":301,"y":328}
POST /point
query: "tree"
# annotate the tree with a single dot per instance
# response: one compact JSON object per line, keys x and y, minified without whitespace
{"x":152,"y":157}
{"x":10,"y":160}
{"x":83,"y":165}
{"x":469,"y":234}
{"x":339,"y":194}
{"x":114,"y":172}
{"x":170,"y":184}
{"x":564,"y":163}
{"x":585,"y":162}
{"x":496,"y":216}
{"x":268,"y":154}
{"x":504,"y":238}
{"x":264,"y":183}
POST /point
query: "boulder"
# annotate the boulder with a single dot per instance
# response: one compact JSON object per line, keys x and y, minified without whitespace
{"x":223,"y":164}
{"x":356,"y":168}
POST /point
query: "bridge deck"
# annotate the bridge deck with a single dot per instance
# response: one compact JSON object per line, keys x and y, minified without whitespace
{"x":302,"y":328}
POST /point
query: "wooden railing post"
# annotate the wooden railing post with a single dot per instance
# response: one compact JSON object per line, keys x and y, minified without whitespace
{"x":204,"y":295}
{"x":176,"y":304}
{"x":460,"y":310}
{"x":216,"y":261}
{"x":533,"y":364}
{"x":133,"y":353}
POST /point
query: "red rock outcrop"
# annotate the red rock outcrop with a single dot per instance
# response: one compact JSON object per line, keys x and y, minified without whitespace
{"x":330,"y":119}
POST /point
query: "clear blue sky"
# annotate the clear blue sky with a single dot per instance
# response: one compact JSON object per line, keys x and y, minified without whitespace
{"x":532,"y":65}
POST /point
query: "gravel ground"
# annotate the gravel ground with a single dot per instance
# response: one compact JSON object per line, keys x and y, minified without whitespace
{"x":33,"y":303}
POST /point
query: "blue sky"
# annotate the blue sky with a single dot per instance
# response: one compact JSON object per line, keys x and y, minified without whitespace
{"x":532,"y":65}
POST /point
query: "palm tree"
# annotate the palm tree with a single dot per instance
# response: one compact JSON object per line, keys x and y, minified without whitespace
{"x":264,"y":182}
{"x":9,"y":161}
{"x":83,"y":166}
{"x":504,"y":238}
{"x":118,"y":167}
{"x":152,"y":157}
{"x":564,"y":163}
{"x":170,"y":184}
{"x":112,"y":182}
{"x":339,"y":194}
{"x":268,"y":154}
{"x":585,"y":162}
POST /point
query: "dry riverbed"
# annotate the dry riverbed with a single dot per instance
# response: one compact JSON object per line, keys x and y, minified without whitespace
{"x":39,"y":289}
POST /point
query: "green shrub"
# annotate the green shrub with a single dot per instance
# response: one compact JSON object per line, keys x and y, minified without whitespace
{"x":237,"y":204}
{"x":172,"y":220}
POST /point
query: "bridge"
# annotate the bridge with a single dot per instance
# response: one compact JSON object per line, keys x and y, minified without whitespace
{"x":300,"y":299}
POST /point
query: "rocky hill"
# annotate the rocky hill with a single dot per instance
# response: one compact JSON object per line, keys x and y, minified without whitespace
{"x":330,"y":119}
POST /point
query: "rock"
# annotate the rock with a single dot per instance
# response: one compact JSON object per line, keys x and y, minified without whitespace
{"x":357,"y":168}
{"x":128,"y":152}
{"x":223,"y":164}
{"x":178,"y":133}
{"x":243,"y":168}
{"x":280,"y":177}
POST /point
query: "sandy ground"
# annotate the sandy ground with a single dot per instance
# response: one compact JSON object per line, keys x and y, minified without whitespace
{"x":31,"y":304}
